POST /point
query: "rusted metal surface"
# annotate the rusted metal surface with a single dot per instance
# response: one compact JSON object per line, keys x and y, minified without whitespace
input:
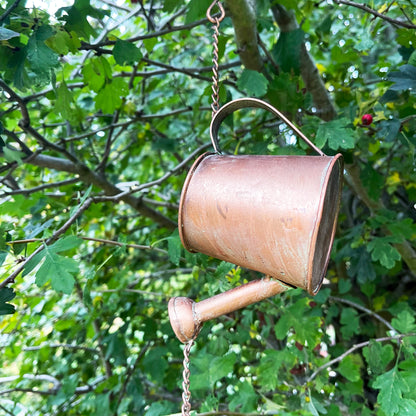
{"x":272,"y":214}
{"x":187,"y":316}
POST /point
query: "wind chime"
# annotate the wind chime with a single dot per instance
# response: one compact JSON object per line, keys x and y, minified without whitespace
{"x":273,"y":214}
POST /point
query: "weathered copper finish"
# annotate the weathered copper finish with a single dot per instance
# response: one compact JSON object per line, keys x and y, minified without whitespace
{"x":272,"y":214}
{"x":187,"y":316}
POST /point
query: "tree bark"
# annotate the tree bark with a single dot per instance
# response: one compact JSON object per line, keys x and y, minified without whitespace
{"x":314,"y":84}
{"x":243,"y":16}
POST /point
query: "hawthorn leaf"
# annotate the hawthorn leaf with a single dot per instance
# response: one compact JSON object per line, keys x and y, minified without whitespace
{"x":76,"y":17}
{"x":110,"y":97}
{"x":388,"y":129}
{"x":211,"y":369}
{"x":253,"y":83}
{"x":350,"y":321}
{"x":404,"y":323}
{"x":66,"y":243}
{"x":42,"y":58}
{"x":350,"y":367}
{"x":382,"y":251}
{"x":337,"y":133}
{"x":378,"y":356}
{"x":64,"y":103}
{"x":126,"y":53}
{"x":403,"y":79}
{"x":59,"y":270}
{"x":6,"y":295}
{"x":244,"y":399}
{"x":55,"y":268}
{"x":197,"y":10}
{"x":392,"y":386}
{"x":287,"y":50}
{"x":96,"y":72}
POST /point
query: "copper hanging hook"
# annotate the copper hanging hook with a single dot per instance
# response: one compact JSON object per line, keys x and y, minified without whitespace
{"x":215,"y":20}
{"x":211,"y":17}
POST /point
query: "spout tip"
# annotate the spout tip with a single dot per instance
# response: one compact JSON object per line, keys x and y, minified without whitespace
{"x":182,"y":318}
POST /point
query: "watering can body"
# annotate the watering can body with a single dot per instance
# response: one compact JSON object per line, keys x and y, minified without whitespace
{"x":272,"y":214}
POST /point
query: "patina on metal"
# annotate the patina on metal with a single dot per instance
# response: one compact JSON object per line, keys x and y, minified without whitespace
{"x":273,"y":214}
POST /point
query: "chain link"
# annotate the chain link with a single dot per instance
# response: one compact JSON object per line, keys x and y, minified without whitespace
{"x":215,"y":19}
{"x":186,"y":395}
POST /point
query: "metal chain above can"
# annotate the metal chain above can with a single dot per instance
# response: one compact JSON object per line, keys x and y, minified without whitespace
{"x":215,"y":19}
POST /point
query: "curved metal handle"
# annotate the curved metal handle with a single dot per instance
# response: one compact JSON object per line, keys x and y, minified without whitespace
{"x":239,"y":103}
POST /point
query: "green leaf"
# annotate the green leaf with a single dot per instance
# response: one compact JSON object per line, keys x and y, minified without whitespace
{"x":42,"y":58}
{"x":76,"y":17}
{"x":387,"y":130}
{"x":350,"y":321}
{"x":174,"y":248}
{"x":373,"y":181}
{"x":361,"y":266}
{"x":244,"y":399}
{"x":65,"y":103}
{"x":110,"y":97}
{"x":66,"y":243}
{"x":350,"y":367}
{"x":381,"y":250}
{"x":286,"y":52}
{"x":12,"y":155}
{"x":6,"y":34}
{"x":391,"y":386}
{"x":378,"y":356}
{"x":404,"y":79}
{"x":404,"y":323}
{"x":126,"y":53}
{"x":197,"y":10}
{"x":6,"y":294}
{"x":55,"y":268}
{"x":253,"y":83}
{"x":337,"y":133}
{"x":211,"y":369}
{"x":405,"y":228}
{"x":96,"y":72}
{"x":270,"y":363}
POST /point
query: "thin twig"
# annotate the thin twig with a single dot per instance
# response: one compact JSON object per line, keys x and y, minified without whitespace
{"x":375,"y":13}
{"x":156,"y":182}
{"x":354,"y":348}
{"x":363,"y":309}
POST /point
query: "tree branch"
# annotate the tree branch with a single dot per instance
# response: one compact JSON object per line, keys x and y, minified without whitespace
{"x":287,"y":22}
{"x":243,"y":16}
{"x":375,"y":13}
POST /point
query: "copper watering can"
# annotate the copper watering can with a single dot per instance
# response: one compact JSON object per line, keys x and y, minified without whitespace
{"x":272,"y":214}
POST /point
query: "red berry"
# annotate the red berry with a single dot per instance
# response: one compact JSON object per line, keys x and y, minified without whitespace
{"x":367,"y":119}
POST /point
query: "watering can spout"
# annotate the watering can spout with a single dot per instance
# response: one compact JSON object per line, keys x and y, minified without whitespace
{"x":187,"y":316}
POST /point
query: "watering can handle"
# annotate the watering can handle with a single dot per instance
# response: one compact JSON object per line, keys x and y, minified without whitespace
{"x":239,"y":103}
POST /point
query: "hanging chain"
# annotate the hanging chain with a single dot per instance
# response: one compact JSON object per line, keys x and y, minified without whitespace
{"x":215,"y":20}
{"x":186,"y":395}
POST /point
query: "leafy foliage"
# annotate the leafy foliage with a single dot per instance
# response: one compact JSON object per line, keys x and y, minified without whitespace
{"x":103,"y":109}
